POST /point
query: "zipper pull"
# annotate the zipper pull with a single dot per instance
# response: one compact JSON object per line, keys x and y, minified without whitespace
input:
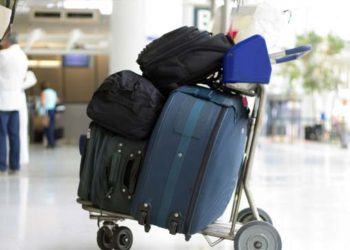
{"x":110,"y":192}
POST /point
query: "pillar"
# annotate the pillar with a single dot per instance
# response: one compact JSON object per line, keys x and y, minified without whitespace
{"x":134,"y":22}
{"x":128,"y":34}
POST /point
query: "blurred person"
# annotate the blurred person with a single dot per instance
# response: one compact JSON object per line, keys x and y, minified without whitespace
{"x":29,"y":82}
{"x":13,"y":70}
{"x":49,"y":100}
{"x":343,"y":133}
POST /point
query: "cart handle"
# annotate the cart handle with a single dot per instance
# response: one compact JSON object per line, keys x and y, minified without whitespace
{"x":290,"y":54}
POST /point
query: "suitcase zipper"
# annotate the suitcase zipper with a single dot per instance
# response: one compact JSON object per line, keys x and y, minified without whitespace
{"x":171,"y":51}
{"x":202,"y":169}
{"x":164,"y":46}
{"x":176,"y":166}
{"x":190,"y":34}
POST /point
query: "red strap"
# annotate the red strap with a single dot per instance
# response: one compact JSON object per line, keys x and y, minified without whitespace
{"x":245,"y":101}
{"x":232,"y":34}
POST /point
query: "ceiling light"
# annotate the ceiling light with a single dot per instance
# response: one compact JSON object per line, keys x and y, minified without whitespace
{"x":105,"y":6}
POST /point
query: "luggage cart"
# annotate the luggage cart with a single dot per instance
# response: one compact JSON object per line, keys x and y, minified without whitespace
{"x":110,"y":234}
{"x":249,"y":229}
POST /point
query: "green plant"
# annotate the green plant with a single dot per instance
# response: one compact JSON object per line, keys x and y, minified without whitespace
{"x":315,"y":69}
{"x":3,"y":2}
{"x":292,"y":72}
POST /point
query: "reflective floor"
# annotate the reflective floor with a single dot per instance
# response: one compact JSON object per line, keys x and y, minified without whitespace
{"x":304,"y":187}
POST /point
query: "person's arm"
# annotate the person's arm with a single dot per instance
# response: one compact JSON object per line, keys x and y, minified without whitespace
{"x":58,"y":101}
{"x":29,"y":81}
{"x":13,"y":69}
{"x":42,"y":98}
{"x":2,"y":61}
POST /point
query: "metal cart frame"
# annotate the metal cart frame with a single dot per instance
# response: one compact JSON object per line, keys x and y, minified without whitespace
{"x":233,"y":230}
{"x":227,"y":231}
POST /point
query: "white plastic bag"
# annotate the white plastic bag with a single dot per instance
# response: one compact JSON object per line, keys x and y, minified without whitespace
{"x":249,"y":20}
{"x":262,"y":19}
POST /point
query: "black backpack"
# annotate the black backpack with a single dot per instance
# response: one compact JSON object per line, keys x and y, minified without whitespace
{"x":182,"y":57}
{"x":127,"y":104}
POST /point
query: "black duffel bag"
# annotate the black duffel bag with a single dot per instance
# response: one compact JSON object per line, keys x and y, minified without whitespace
{"x":127,"y":104}
{"x":182,"y":57}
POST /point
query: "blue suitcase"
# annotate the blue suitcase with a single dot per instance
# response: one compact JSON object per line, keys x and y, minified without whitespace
{"x":193,"y":161}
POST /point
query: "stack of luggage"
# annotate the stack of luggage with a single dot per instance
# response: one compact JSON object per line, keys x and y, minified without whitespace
{"x":161,"y":148}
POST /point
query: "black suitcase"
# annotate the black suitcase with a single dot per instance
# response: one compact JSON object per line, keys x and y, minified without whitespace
{"x":59,"y":133}
{"x":109,"y":170}
{"x":39,"y":134}
{"x":183,"y":56}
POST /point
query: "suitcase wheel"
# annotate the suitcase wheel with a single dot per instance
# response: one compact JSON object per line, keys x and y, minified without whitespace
{"x":118,"y":238}
{"x":173,"y":227}
{"x":147,"y":228}
{"x":246,"y":215}
{"x":174,"y":223}
{"x":142,"y":218}
{"x":257,"y":235}
{"x":122,"y":238}
{"x":143,"y":221}
{"x":105,"y":238}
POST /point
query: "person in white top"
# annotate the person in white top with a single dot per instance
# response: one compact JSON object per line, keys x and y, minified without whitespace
{"x":13,"y":70}
{"x":29,"y":82}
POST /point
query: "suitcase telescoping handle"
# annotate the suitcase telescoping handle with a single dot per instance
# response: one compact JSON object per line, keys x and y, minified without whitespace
{"x":290,"y":54}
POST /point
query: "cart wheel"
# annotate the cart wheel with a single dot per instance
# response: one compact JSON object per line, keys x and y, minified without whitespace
{"x":257,"y":235}
{"x":246,"y":215}
{"x":122,"y":238}
{"x":105,"y":238}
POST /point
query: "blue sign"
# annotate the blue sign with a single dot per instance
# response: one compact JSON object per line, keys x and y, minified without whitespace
{"x":76,"y":60}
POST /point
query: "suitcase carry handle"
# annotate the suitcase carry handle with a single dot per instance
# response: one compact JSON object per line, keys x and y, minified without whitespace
{"x":210,"y":95}
{"x":203,"y":94}
{"x":123,"y":177}
{"x":290,"y":54}
{"x":134,"y":173}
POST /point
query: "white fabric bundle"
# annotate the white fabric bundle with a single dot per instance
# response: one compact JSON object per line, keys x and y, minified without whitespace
{"x":5,"y":16}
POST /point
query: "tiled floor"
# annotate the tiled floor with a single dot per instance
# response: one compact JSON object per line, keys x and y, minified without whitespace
{"x":304,"y":187}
